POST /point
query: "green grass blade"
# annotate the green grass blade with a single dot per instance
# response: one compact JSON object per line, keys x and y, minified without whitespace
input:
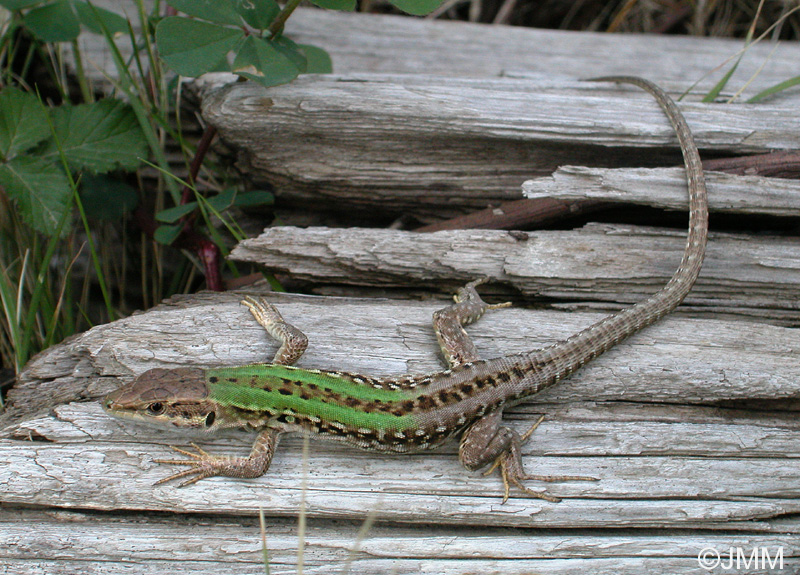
{"x":785,"y":85}
{"x":126,"y":84}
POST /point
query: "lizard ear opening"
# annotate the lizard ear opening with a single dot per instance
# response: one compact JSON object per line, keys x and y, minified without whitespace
{"x":210,"y":419}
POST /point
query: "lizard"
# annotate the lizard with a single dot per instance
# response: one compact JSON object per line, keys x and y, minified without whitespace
{"x":408,"y":412}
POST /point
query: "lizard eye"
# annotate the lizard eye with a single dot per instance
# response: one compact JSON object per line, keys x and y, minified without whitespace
{"x":210,"y":419}
{"x":156,"y":408}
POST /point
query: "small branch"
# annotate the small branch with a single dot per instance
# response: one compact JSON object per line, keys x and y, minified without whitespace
{"x":194,"y":168}
{"x":276,"y":27}
{"x":776,"y":165}
{"x":517,"y":214}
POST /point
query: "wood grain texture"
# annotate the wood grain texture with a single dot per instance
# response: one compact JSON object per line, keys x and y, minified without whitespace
{"x":373,"y":43}
{"x":748,"y":275}
{"x":402,"y":144}
{"x":733,"y":469}
{"x":665,"y":188}
{"x":641,"y":418}
{"x":691,"y":425}
{"x":233,"y":545}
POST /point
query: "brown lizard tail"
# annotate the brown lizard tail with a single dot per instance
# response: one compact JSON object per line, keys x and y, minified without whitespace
{"x":565,"y":357}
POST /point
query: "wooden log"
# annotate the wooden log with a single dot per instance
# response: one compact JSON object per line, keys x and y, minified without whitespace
{"x":613,"y":264}
{"x":728,"y":469}
{"x":33,"y":541}
{"x":665,"y":188}
{"x":381,"y":44}
{"x":435,"y":147}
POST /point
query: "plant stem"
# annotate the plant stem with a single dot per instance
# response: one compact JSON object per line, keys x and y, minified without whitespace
{"x":86,"y":92}
{"x":276,"y":28}
{"x":199,"y":155}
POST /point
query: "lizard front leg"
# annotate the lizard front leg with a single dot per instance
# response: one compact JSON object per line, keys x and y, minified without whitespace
{"x":293,"y":341}
{"x":203,"y":464}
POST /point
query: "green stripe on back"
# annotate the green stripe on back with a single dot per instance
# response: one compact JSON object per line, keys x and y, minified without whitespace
{"x":256,"y":388}
{"x":271,"y":375}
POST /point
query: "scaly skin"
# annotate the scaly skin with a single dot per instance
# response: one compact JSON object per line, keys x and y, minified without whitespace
{"x":410,"y":412}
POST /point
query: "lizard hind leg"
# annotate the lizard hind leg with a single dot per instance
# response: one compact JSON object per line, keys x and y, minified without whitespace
{"x":488,"y":442}
{"x":456,"y":345}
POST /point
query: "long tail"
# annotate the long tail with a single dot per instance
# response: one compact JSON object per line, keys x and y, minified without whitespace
{"x":565,"y":357}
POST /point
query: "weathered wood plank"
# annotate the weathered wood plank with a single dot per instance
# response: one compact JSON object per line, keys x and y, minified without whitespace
{"x":666,"y":188}
{"x":371,"y":43}
{"x":754,"y":276}
{"x":32,"y":541}
{"x":695,"y":361}
{"x":702,"y":492}
{"x":400,"y":144}
{"x":729,"y":470}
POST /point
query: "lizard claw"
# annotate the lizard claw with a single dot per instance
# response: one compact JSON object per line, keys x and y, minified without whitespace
{"x":202,"y":465}
{"x":513,"y":473}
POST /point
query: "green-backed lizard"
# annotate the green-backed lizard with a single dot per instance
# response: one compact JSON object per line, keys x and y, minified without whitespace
{"x":408,"y":412}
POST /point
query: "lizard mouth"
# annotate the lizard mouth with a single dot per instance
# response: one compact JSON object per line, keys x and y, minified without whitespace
{"x":109,"y":401}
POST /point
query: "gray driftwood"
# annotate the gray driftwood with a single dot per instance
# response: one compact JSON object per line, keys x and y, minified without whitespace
{"x":641,"y":418}
{"x":233,"y":545}
{"x":752,"y":276}
{"x":665,"y":188}
{"x":383,"y":44}
{"x":690,"y":426}
{"x":400,"y":144}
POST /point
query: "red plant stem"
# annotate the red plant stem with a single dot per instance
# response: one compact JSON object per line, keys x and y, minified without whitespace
{"x":192,"y":240}
{"x":194,"y":168}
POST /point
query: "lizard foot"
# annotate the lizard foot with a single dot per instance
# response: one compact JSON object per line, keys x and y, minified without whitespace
{"x":513,"y":473}
{"x":202,"y":464}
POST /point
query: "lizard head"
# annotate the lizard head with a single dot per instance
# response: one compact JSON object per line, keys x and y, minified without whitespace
{"x":165,"y":397}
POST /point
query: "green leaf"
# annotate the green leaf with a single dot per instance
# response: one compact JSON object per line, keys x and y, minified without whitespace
{"x":219,"y":11}
{"x":94,"y":18}
{"x":54,"y":22}
{"x":290,"y":51}
{"x":417,"y":7}
{"x":318,"y":61}
{"x":167,"y":234}
{"x":254,"y":198}
{"x":263,"y":62}
{"x":258,"y":13}
{"x":40,"y":190}
{"x":223,"y":200}
{"x":106,"y":198}
{"x":99,"y":137}
{"x":23,"y":122}
{"x":192,"y":48}
{"x":18,"y":4}
{"x":172,"y":215}
{"x":348,"y":5}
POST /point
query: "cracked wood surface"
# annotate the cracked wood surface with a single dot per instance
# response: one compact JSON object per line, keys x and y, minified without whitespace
{"x":687,"y":425}
{"x":691,"y":425}
{"x":235,"y":546}
{"x":400,"y":144}
{"x":752,"y":276}
{"x":371,"y":43}
{"x":665,"y":188}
